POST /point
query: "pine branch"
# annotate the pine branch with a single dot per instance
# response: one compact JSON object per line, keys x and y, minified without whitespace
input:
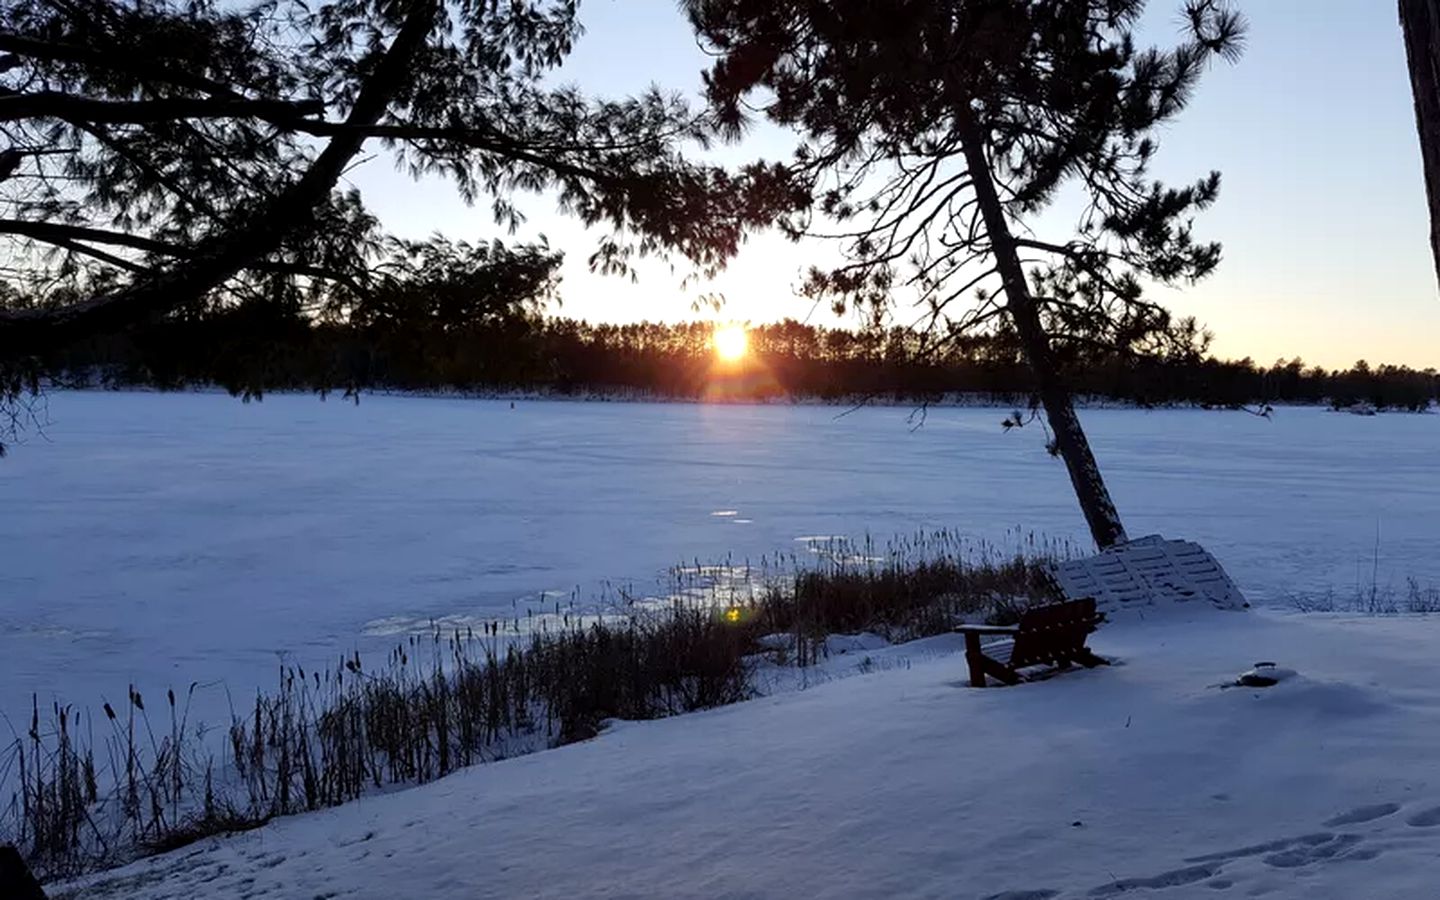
{"x":117,"y":60}
{"x":219,"y":257}
{"x":77,"y":237}
{"x":483,"y":139}
{"x":15,"y":106}
{"x":54,"y":232}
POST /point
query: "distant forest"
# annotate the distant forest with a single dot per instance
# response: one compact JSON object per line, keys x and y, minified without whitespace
{"x":249,"y":350}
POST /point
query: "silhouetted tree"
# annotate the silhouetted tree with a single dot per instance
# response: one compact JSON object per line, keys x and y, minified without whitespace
{"x":1420,"y":22}
{"x":159,"y":153}
{"x":449,"y":313}
{"x":934,"y":131}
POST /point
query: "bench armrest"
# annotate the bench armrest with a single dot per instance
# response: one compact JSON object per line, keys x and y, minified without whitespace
{"x":988,"y":629}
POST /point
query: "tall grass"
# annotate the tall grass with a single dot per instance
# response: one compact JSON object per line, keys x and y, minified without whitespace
{"x":81,"y":798}
{"x":1373,"y":600}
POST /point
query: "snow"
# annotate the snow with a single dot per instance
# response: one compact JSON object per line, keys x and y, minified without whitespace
{"x":167,"y":539}
{"x":1148,"y":570}
{"x":162,"y":539}
{"x":1145,"y":778}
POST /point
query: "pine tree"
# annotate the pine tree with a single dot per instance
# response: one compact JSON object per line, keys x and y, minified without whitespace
{"x":934,"y":131}
{"x":153,"y":151}
{"x":159,"y":154}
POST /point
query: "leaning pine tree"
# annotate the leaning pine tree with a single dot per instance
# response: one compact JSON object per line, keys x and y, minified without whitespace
{"x":934,"y":132}
{"x":1420,"y":22}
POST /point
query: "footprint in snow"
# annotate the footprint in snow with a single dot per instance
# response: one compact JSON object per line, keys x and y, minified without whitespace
{"x":1284,"y":853}
{"x":1361,"y":814}
{"x":1267,"y":847}
{"x":1174,"y":878}
{"x":1425,"y":818}
{"x":1308,"y":853}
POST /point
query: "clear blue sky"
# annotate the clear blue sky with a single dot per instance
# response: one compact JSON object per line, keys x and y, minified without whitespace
{"x":1322,"y":210}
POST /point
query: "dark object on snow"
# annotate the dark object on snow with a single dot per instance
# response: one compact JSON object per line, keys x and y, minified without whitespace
{"x":1264,"y":674}
{"x":16,"y":882}
{"x":1051,"y":635}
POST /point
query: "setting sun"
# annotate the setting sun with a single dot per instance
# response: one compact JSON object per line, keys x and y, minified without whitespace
{"x":731,"y":342}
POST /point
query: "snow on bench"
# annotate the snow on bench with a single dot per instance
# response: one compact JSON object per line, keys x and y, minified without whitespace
{"x":1148,"y":571}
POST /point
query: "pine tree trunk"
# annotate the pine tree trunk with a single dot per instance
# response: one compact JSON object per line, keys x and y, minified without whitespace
{"x":1085,"y":478}
{"x":1420,"y":21}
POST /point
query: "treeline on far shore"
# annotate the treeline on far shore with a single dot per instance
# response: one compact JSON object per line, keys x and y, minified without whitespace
{"x":247,"y":350}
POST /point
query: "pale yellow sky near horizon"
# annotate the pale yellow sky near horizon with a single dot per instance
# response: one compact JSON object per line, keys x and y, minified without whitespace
{"x":1322,"y":209}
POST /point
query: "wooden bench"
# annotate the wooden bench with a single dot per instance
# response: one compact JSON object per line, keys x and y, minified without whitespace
{"x":1051,"y":635}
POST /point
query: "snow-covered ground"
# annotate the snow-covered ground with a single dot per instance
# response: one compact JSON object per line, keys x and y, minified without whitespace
{"x":1143,"y":779}
{"x":162,"y":540}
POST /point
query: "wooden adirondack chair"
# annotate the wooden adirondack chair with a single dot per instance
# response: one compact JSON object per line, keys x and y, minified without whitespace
{"x":1051,"y":635}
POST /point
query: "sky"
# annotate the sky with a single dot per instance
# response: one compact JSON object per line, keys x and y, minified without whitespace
{"x":1322,"y":208}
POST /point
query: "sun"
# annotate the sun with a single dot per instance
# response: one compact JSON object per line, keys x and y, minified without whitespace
{"x":731,"y":342}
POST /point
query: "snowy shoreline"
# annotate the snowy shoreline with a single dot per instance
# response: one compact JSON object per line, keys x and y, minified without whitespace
{"x":949,"y":400}
{"x":1141,"y":779}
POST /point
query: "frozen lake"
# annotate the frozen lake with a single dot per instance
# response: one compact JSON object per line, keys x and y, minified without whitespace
{"x":168,"y":539}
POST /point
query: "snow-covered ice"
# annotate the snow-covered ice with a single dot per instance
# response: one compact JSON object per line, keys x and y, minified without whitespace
{"x":162,"y":540}
{"x":1146,"y":778}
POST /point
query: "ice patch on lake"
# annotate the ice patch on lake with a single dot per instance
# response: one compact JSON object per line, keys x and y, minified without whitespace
{"x":53,"y":632}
